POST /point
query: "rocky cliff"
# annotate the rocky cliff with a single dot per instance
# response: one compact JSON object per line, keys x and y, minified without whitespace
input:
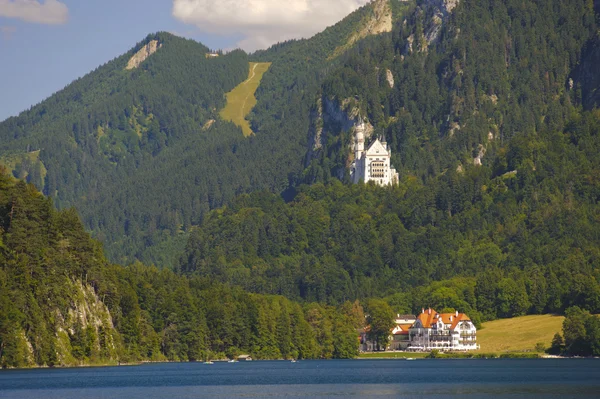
{"x":380,"y":20}
{"x":332,"y":117}
{"x":434,"y":13}
{"x":85,"y":329}
{"x":83,"y":334}
{"x":586,"y":77}
{"x":143,"y":54}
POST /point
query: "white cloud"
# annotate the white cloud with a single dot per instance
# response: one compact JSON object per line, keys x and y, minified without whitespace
{"x":51,"y":12}
{"x":264,"y":22}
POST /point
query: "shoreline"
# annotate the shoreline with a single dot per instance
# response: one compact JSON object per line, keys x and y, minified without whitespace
{"x":458,"y":355}
{"x":419,"y":356}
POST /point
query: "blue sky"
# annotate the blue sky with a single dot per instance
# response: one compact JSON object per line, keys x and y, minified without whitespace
{"x":37,"y":60}
{"x":46,"y":44}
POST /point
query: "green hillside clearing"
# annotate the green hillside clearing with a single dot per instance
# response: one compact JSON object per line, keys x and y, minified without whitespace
{"x":519,"y":334}
{"x":10,"y":161}
{"x":19,"y":164}
{"x":241,"y":100}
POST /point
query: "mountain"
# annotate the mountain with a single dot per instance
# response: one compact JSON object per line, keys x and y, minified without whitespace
{"x":492,"y":243}
{"x":467,"y":77}
{"x":138,"y":147}
{"x":105,"y":133}
{"x":497,"y":209}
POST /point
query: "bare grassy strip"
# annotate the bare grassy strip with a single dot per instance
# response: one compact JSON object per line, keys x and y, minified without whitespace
{"x":241,"y":100}
{"x":520,"y":334}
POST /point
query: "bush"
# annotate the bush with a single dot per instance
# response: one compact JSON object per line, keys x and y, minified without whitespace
{"x":540,"y":347}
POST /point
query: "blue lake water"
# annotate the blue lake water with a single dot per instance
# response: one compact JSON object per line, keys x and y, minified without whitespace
{"x":474,"y":378}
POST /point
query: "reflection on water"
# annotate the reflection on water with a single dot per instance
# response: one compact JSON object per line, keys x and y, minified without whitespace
{"x":315,"y":379}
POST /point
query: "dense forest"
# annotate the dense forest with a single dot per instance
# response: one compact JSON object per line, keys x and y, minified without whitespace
{"x":62,"y":303}
{"x":137,"y":152}
{"x":102,"y":142}
{"x":516,"y":237}
{"x":463,"y":87}
{"x":130,"y":149}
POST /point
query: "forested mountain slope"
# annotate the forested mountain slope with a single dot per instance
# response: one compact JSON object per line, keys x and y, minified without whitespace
{"x":466,"y":79}
{"x":62,"y":303}
{"x":450,"y":86}
{"x":516,"y":237}
{"x":497,"y":211}
{"x":107,"y":132}
{"x":141,"y":151}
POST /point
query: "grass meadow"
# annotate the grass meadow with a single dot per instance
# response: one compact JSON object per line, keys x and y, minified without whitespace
{"x":241,"y":100}
{"x":519,"y":334}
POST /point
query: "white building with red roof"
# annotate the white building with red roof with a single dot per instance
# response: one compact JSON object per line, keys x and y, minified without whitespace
{"x":429,"y":331}
{"x":443,"y":332}
{"x":399,"y":339}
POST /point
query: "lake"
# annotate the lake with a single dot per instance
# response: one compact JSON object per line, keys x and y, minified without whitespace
{"x":475,"y":378}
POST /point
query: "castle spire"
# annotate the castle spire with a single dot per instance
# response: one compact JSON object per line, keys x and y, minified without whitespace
{"x":360,"y":137}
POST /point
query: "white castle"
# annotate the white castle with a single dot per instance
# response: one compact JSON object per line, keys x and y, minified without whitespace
{"x":374,"y":164}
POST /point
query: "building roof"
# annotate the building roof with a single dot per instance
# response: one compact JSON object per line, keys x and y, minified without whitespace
{"x":405,"y":319}
{"x":430,"y":316}
{"x":427,"y":317}
{"x":452,"y":319}
{"x":401,"y":329}
{"x":375,"y":147}
{"x":459,"y":318}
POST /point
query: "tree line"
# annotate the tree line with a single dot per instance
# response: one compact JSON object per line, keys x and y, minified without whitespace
{"x":581,"y":334}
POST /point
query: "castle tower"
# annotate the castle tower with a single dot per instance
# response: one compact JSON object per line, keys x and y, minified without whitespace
{"x":360,"y":138}
{"x":384,"y":142}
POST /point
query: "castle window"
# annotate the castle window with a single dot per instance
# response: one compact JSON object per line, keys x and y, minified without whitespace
{"x":377,"y":169}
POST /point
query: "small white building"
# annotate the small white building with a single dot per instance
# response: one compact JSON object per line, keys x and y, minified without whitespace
{"x":443,"y":332}
{"x":374,"y":164}
{"x":400,"y":338}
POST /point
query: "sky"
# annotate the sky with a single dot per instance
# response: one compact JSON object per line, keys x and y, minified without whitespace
{"x":46,"y":44}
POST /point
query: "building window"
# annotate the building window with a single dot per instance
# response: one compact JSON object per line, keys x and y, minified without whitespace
{"x":377,"y":169}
